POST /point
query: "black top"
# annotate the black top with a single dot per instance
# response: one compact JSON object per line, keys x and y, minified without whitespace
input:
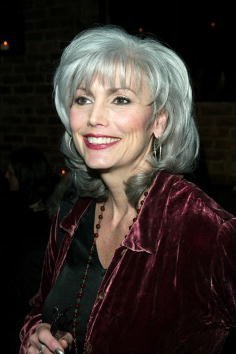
{"x":63,"y":295}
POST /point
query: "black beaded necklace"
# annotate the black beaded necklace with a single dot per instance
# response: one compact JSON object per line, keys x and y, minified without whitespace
{"x":75,"y":320}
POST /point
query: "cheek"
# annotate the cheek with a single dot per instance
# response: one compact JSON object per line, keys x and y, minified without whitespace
{"x":78,"y":143}
{"x":75,"y":120}
{"x":138,"y":123}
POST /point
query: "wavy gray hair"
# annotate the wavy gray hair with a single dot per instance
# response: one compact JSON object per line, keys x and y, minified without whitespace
{"x":100,"y":51}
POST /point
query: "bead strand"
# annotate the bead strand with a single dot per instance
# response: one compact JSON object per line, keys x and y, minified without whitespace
{"x":79,"y":296}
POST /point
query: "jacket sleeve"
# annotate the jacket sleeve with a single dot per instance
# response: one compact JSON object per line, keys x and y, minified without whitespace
{"x":224,"y":272}
{"x":34,"y":317}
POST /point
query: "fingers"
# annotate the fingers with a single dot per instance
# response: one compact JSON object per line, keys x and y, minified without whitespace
{"x":59,"y":351}
{"x":66,"y":340}
{"x":42,"y":341}
{"x":41,"y":349}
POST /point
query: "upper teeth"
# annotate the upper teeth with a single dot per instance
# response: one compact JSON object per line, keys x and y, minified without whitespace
{"x":101,"y":140}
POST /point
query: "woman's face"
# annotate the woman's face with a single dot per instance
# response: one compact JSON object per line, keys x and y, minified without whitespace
{"x":111,"y":127}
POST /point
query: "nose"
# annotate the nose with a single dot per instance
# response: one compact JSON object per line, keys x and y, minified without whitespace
{"x":98,"y":115}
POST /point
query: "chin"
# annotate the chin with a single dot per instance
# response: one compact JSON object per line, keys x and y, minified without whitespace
{"x":98,"y":166}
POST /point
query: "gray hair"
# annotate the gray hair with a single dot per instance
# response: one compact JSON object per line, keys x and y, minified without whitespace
{"x":100,"y":51}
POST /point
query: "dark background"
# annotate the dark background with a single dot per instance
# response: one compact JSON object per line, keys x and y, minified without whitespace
{"x":202,"y":32}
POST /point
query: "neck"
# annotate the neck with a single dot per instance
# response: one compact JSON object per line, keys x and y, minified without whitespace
{"x":118,"y":207}
{"x":116,"y":187}
{"x":116,"y":218}
{"x":115,"y":181}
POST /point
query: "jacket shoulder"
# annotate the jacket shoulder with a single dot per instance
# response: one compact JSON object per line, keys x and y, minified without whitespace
{"x":199,"y":217}
{"x":191,"y":198}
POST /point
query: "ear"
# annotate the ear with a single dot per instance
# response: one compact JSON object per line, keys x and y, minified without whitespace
{"x":160,"y":124}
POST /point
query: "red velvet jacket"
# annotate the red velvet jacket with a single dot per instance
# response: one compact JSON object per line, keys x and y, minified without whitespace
{"x":171,"y":286}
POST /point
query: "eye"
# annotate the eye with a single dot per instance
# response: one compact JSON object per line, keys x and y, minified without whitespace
{"x":82,"y":100}
{"x":121,"y":100}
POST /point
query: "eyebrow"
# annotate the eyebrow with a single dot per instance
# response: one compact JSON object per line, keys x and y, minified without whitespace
{"x":114,"y":89}
{"x":110,"y":90}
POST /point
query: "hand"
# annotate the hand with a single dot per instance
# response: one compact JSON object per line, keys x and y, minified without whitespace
{"x":43,"y":342}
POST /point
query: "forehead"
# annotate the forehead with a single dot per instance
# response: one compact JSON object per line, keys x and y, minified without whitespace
{"x":123,"y":78}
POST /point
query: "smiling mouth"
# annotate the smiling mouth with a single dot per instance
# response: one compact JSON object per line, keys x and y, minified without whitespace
{"x":101,"y":140}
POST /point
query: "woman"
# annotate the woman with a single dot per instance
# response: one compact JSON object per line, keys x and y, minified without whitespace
{"x":143,"y":261}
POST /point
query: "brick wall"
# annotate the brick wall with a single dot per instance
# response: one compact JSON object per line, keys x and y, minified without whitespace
{"x":217,"y":126}
{"x":27,"y":115}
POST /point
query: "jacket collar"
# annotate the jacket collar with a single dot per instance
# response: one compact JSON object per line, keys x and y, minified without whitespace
{"x":147,"y":230}
{"x":70,"y":221}
{"x":142,"y":237}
